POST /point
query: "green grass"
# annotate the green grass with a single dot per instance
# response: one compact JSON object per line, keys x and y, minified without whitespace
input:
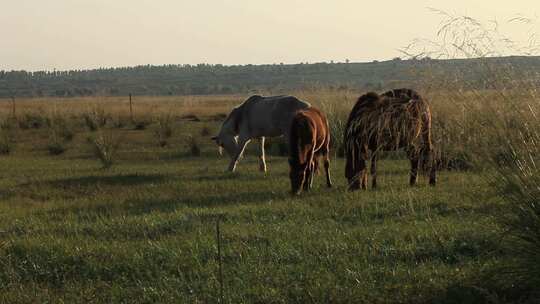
{"x":144,"y":231}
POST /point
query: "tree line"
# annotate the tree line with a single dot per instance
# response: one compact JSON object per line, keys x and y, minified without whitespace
{"x":203,"y":79}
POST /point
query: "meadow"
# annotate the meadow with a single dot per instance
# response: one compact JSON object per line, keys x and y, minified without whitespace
{"x":141,"y":228}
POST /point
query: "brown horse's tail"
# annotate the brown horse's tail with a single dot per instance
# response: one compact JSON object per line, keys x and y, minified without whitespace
{"x":295,"y":139}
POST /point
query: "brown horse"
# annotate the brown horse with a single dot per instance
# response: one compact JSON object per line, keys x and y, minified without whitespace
{"x":396,"y":119}
{"x":309,"y":139}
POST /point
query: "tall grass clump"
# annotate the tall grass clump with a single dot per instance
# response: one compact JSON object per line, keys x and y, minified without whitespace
{"x":60,"y":133}
{"x":105,"y":146}
{"x":7,"y":136}
{"x":31,"y":121}
{"x":164,"y":129}
{"x":336,"y":104}
{"x":491,"y":121}
{"x":193,"y":146}
{"x":518,"y":177}
{"x":95,"y":118}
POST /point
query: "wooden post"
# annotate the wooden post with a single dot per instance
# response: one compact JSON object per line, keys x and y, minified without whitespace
{"x":220,"y":262}
{"x":130,"y":108}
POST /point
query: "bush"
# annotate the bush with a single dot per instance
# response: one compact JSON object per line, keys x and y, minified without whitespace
{"x":95,"y":119}
{"x":105,"y":146}
{"x":60,"y":133}
{"x":61,"y":128}
{"x":6,"y":142}
{"x":32,"y":121}
{"x":7,"y":136}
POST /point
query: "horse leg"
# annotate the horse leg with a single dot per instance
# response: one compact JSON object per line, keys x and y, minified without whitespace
{"x":326,"y":157}
{"x":310,"y":170}
{"x":363,"y":166}
{"x":242,"y":143}
{"x":327,"y":171}
{"x":364,"y":176}
{"x":314,"y":169}
{"x":414,"y":168}
{"x":308,"y":177}
{"x":262,"y":160}
{"x":316,"y":166}
{"x":374,"y":171}
{"x":431,"y":167}
{"x":433,"y":175}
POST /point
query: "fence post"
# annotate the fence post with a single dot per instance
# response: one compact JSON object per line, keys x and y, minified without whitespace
{"x":220,"y":260}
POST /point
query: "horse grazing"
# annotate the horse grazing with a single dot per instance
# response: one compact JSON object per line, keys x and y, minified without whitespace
{"x":309,"y":139}
{"x":396,"y":119}
{"x":257,"y":117}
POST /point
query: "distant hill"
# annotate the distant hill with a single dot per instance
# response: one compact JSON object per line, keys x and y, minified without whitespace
{"x":220,"y":79}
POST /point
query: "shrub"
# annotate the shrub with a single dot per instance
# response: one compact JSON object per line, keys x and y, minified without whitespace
{"x":61,"y":128}
{"x":32,"y":121}
{"x":6,"y":142}
{"x":95,"y":119}
{"x":105,"y":146}
{"x":59,"y":132}
{"x":8,"y":124}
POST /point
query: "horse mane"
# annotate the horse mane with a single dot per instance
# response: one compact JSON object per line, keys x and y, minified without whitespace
{"x":237,"y":112}
{"x":367,"y":100}
{"x":402,"y":93}
{"x":387,"y":119}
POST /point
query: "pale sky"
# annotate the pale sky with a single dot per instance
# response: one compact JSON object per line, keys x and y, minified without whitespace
{"x":82,"y":34}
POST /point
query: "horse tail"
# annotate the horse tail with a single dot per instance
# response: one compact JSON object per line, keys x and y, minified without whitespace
{"x":294,"y":139}
{"x":427,"y":153}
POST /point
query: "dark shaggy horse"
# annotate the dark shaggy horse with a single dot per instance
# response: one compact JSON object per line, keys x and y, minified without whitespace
{"x":309,"y":139}
{"x":396,"y":119}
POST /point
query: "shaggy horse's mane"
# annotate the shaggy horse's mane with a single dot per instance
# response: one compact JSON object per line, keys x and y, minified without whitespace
{"x":390,"y":116}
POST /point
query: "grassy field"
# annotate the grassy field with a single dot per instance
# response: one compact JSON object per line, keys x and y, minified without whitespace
{"x":144,"y":230}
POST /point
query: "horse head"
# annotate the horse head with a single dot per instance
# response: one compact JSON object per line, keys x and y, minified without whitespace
{"x":297,"y":174}
{"x":227,"y":142}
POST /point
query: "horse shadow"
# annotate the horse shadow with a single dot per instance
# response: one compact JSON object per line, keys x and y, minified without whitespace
{"x":139,"y":207}
{"x":71,"y":188}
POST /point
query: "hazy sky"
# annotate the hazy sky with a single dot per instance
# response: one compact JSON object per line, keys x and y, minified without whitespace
{"x":76,"y":34}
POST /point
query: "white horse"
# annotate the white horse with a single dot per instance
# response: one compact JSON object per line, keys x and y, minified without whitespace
{"x":257,"y":117}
